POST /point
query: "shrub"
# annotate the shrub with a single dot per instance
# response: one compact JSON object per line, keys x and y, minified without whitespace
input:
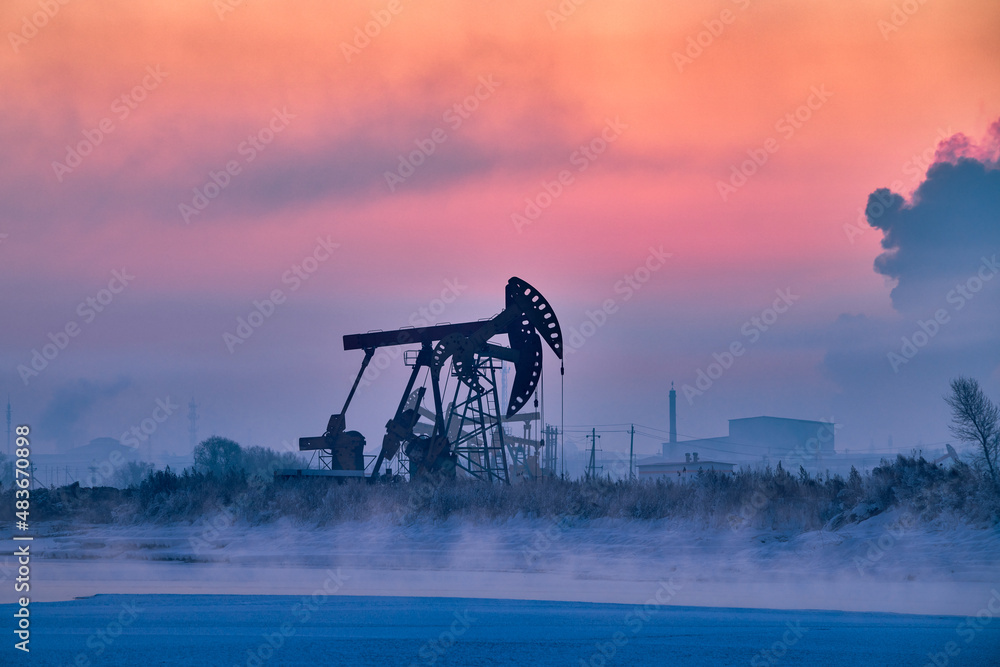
{"x":756,"y":498}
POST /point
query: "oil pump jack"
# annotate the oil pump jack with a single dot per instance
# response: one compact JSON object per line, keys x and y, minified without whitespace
{"x":469,"y":434}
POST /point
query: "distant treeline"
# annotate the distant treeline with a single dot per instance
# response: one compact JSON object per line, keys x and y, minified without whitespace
{"x":762,"y":498}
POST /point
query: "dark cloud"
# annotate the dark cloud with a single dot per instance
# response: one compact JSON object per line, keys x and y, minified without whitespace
{"x":940,"y":237}
{"x":525,"y":127}
{"x":892,"y":373}
{"x":350,"y":166}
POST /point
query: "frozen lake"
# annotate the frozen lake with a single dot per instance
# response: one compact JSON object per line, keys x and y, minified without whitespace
{"x":252,"y":630}
{"x":514,"y":593}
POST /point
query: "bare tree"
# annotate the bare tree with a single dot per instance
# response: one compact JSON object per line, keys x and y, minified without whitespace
{"x":975,"y":419}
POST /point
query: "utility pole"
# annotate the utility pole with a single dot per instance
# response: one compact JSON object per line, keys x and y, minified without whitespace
{"x":592,"y":466}
{"x":631,"y":445}
{"x":551,"y":450}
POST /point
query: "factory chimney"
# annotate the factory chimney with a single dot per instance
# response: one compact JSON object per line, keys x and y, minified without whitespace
{"x":673,"y":414}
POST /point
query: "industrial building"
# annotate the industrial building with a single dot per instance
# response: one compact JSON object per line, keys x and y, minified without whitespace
{"x":751,"y":440}
{"x":671,"y":465}
{"x":769,"y":439}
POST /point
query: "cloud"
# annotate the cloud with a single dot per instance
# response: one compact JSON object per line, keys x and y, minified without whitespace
{"x":953,"y":220}
{"x":960,"y":146}
{"x":893,"y":372}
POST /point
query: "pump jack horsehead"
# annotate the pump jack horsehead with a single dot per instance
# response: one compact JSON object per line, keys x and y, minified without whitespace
{"x":468,"y":435}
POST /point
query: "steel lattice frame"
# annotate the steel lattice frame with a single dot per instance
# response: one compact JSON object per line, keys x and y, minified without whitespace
{"x":480,"y":450}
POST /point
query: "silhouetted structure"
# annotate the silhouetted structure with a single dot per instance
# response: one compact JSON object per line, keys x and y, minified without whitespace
{"x":673,"y":414}
{"x":469,"y":434}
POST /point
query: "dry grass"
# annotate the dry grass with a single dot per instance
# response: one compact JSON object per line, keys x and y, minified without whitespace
{"x":762,"y":498}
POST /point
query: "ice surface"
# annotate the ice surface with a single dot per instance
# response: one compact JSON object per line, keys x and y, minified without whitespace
{"x":248,"y":630}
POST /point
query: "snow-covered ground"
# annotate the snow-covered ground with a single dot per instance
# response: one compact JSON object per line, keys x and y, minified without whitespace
{"x":887,"y":563}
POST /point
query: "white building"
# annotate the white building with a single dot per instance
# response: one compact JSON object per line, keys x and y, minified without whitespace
{"x":659,"y":467}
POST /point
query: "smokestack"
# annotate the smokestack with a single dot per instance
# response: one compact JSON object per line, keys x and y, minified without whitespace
{"x":673,"y":414}
{"x":694,"y":456}
{"x":687,"y":457}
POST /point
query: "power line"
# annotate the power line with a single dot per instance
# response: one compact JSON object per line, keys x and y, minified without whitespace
{"x":720,"y":447}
